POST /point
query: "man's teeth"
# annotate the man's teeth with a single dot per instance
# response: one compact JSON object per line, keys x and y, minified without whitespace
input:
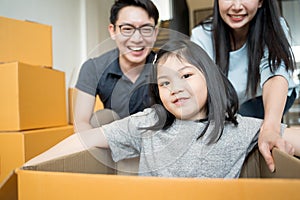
{"x":136,"y":48}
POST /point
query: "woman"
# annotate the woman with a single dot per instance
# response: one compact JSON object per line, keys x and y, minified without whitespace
{"x":248,"y":40}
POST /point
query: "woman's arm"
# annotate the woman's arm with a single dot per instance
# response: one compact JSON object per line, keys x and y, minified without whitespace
{"x":274,"y":97}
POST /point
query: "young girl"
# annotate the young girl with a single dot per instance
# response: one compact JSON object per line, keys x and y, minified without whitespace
{"x":249,"y":41}
{"x":192,"y":130}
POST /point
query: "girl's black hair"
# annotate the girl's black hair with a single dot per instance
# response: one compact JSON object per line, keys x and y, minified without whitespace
{"x":147,"y":5}
{"x":265,"y":31}
{"x":222,"y":103}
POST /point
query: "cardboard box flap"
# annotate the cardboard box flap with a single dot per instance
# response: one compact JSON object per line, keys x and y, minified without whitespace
{"x":92,"y":161}
{"x":97,"y":160}
{"x":17,"y":62}
{"x":286,"y":166}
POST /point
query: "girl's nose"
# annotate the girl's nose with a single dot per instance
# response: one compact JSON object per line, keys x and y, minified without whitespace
{"x":176,"y":88}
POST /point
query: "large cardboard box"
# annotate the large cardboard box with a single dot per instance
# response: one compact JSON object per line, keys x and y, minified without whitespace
{"x":84,"y":176}
{"x":18,"y":147}
{"x":31,"y":97}
{"x":25,"y":41}
{"x":61,"y":186}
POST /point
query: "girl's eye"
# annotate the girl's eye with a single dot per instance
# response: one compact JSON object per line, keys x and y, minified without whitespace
{"x":187,"y":75}
{"x":164,"y":84}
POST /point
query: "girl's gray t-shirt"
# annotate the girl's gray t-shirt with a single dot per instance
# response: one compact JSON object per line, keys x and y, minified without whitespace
{"x":176,"y":152}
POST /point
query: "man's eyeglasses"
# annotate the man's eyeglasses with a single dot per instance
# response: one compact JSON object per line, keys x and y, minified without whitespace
{"x":128,"y":30}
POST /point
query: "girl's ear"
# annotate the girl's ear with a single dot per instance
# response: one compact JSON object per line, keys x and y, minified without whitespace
{"x":260,"y":3}
{"x":112,"y":31}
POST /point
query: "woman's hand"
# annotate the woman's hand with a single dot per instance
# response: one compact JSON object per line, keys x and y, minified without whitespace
{"x":275,"y":92}
{"x":267,"y":140}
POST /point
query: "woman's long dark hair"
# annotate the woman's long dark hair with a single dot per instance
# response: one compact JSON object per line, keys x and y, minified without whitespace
{"x":222,"y":102}
{"x":265,"y":31}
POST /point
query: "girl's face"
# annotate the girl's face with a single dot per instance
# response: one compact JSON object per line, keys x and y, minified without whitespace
{"x":237,"y":14}
{"x":182,"y":89}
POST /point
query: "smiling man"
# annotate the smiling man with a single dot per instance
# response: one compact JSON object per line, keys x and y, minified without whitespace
{"x":120,"y":76}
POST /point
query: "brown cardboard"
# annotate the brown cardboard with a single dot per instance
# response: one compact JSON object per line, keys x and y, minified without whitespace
{"x":25,"y":41}
{"x":32,"y":97}
{"x":286,"y":166}
{"x":92,"y":161}
{"x":254,"y":167}
{"x":50,"y":183}
{"x":72,"y":96}
{"x":18,"y":147}
{"x":37,"y":185}
{"x":9,"y":187}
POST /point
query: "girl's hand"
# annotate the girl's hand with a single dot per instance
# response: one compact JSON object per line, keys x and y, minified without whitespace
{"x":267,"y":140}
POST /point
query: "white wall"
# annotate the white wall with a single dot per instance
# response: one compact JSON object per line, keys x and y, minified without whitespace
{"x":94,"y":31}
{"x":164,"y":8}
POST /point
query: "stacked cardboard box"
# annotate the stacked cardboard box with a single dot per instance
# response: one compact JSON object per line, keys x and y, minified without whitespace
{"x":33,"y":102}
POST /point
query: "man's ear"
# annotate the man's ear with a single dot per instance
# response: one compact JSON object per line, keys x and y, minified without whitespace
{"x":112,"y":31}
